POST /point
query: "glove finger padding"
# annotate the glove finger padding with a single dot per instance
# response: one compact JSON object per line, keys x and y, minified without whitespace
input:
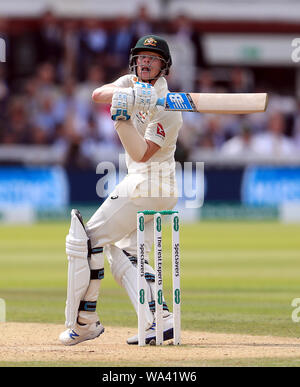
{"x":122,"y":104}
{"x":145,"y":97}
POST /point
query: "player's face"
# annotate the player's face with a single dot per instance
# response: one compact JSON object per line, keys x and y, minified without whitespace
{"x":148,"y":65}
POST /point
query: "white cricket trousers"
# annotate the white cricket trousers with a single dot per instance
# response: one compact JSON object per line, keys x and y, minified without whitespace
{"x":115,"y":222}
{"x":114,"y":227}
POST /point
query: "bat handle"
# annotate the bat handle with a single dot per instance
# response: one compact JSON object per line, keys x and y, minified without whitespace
{"x":160,"y":102}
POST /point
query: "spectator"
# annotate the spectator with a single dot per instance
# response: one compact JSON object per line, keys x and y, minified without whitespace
{"x":103,"y":143}
{"x":240,"y":145}
{"x":105,"y":127}
{"x":72,"y":65}
{"x":214,"y":135}
{"x":192,"y":129}
{"x":205,"y":82}
{"x":45,"y":118}
{"x":68,"y":146}
{"x":183,"y":30}
{"x":51,"y":103}
{"x":31,"y":98}
{"x":296,"y":127}
{"x":16,"y":129}
{"x":120,"y":41}
{"x":95,"y":78}
{"x":74,"y":158}
{"x":22,"y":52}
{"x":274,"y":143}
{"x":4,"y":94}
{"x":61,"y":140}
{"x":240,"y":81}
{"x":38,"y":136}
{"x":93,"y":43}
{"x":68,"y":104}
{"x":184,"y":52}
{"x":46,"y":80}
{"x":142,"y":24}
{"x":49,"y":39}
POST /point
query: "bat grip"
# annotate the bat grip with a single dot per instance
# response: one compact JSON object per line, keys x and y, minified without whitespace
{"x":160,"y":102}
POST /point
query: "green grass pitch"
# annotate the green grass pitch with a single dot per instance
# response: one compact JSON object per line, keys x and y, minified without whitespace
{"x":235,"y":277}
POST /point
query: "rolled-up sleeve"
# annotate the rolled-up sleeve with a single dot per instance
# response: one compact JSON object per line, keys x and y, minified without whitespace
{"x":163,"y":127}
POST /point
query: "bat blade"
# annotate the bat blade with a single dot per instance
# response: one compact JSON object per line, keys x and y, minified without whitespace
{"x":222,"y":103}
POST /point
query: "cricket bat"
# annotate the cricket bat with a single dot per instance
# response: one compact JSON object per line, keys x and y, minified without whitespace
{"x":222,"y":103}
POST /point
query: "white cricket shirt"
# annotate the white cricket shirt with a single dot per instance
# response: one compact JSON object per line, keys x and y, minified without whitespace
{"x":162,"y":128}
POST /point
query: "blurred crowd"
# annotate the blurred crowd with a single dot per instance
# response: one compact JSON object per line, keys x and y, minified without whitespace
{"x":274,"y":134}
{"x":46,"y":87}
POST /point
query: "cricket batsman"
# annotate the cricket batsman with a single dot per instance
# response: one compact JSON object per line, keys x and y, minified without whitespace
{"x":148,"y":134}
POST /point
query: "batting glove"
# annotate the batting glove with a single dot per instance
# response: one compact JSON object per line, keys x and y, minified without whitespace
{"x":122,"y":104}
{"x":145,"y":97}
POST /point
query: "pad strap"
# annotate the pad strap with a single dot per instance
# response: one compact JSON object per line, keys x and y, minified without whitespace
{"x":150,"y":277}
{"x":152,"y":306}
{"x":95,"y":250}
{"x":132,"y":259}
{"x":88,"y":306}
{"x":97,"y":274}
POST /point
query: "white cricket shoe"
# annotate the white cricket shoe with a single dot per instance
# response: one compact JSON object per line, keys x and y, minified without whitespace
{"x":81,"y":333}
{"x":151,"y":335}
